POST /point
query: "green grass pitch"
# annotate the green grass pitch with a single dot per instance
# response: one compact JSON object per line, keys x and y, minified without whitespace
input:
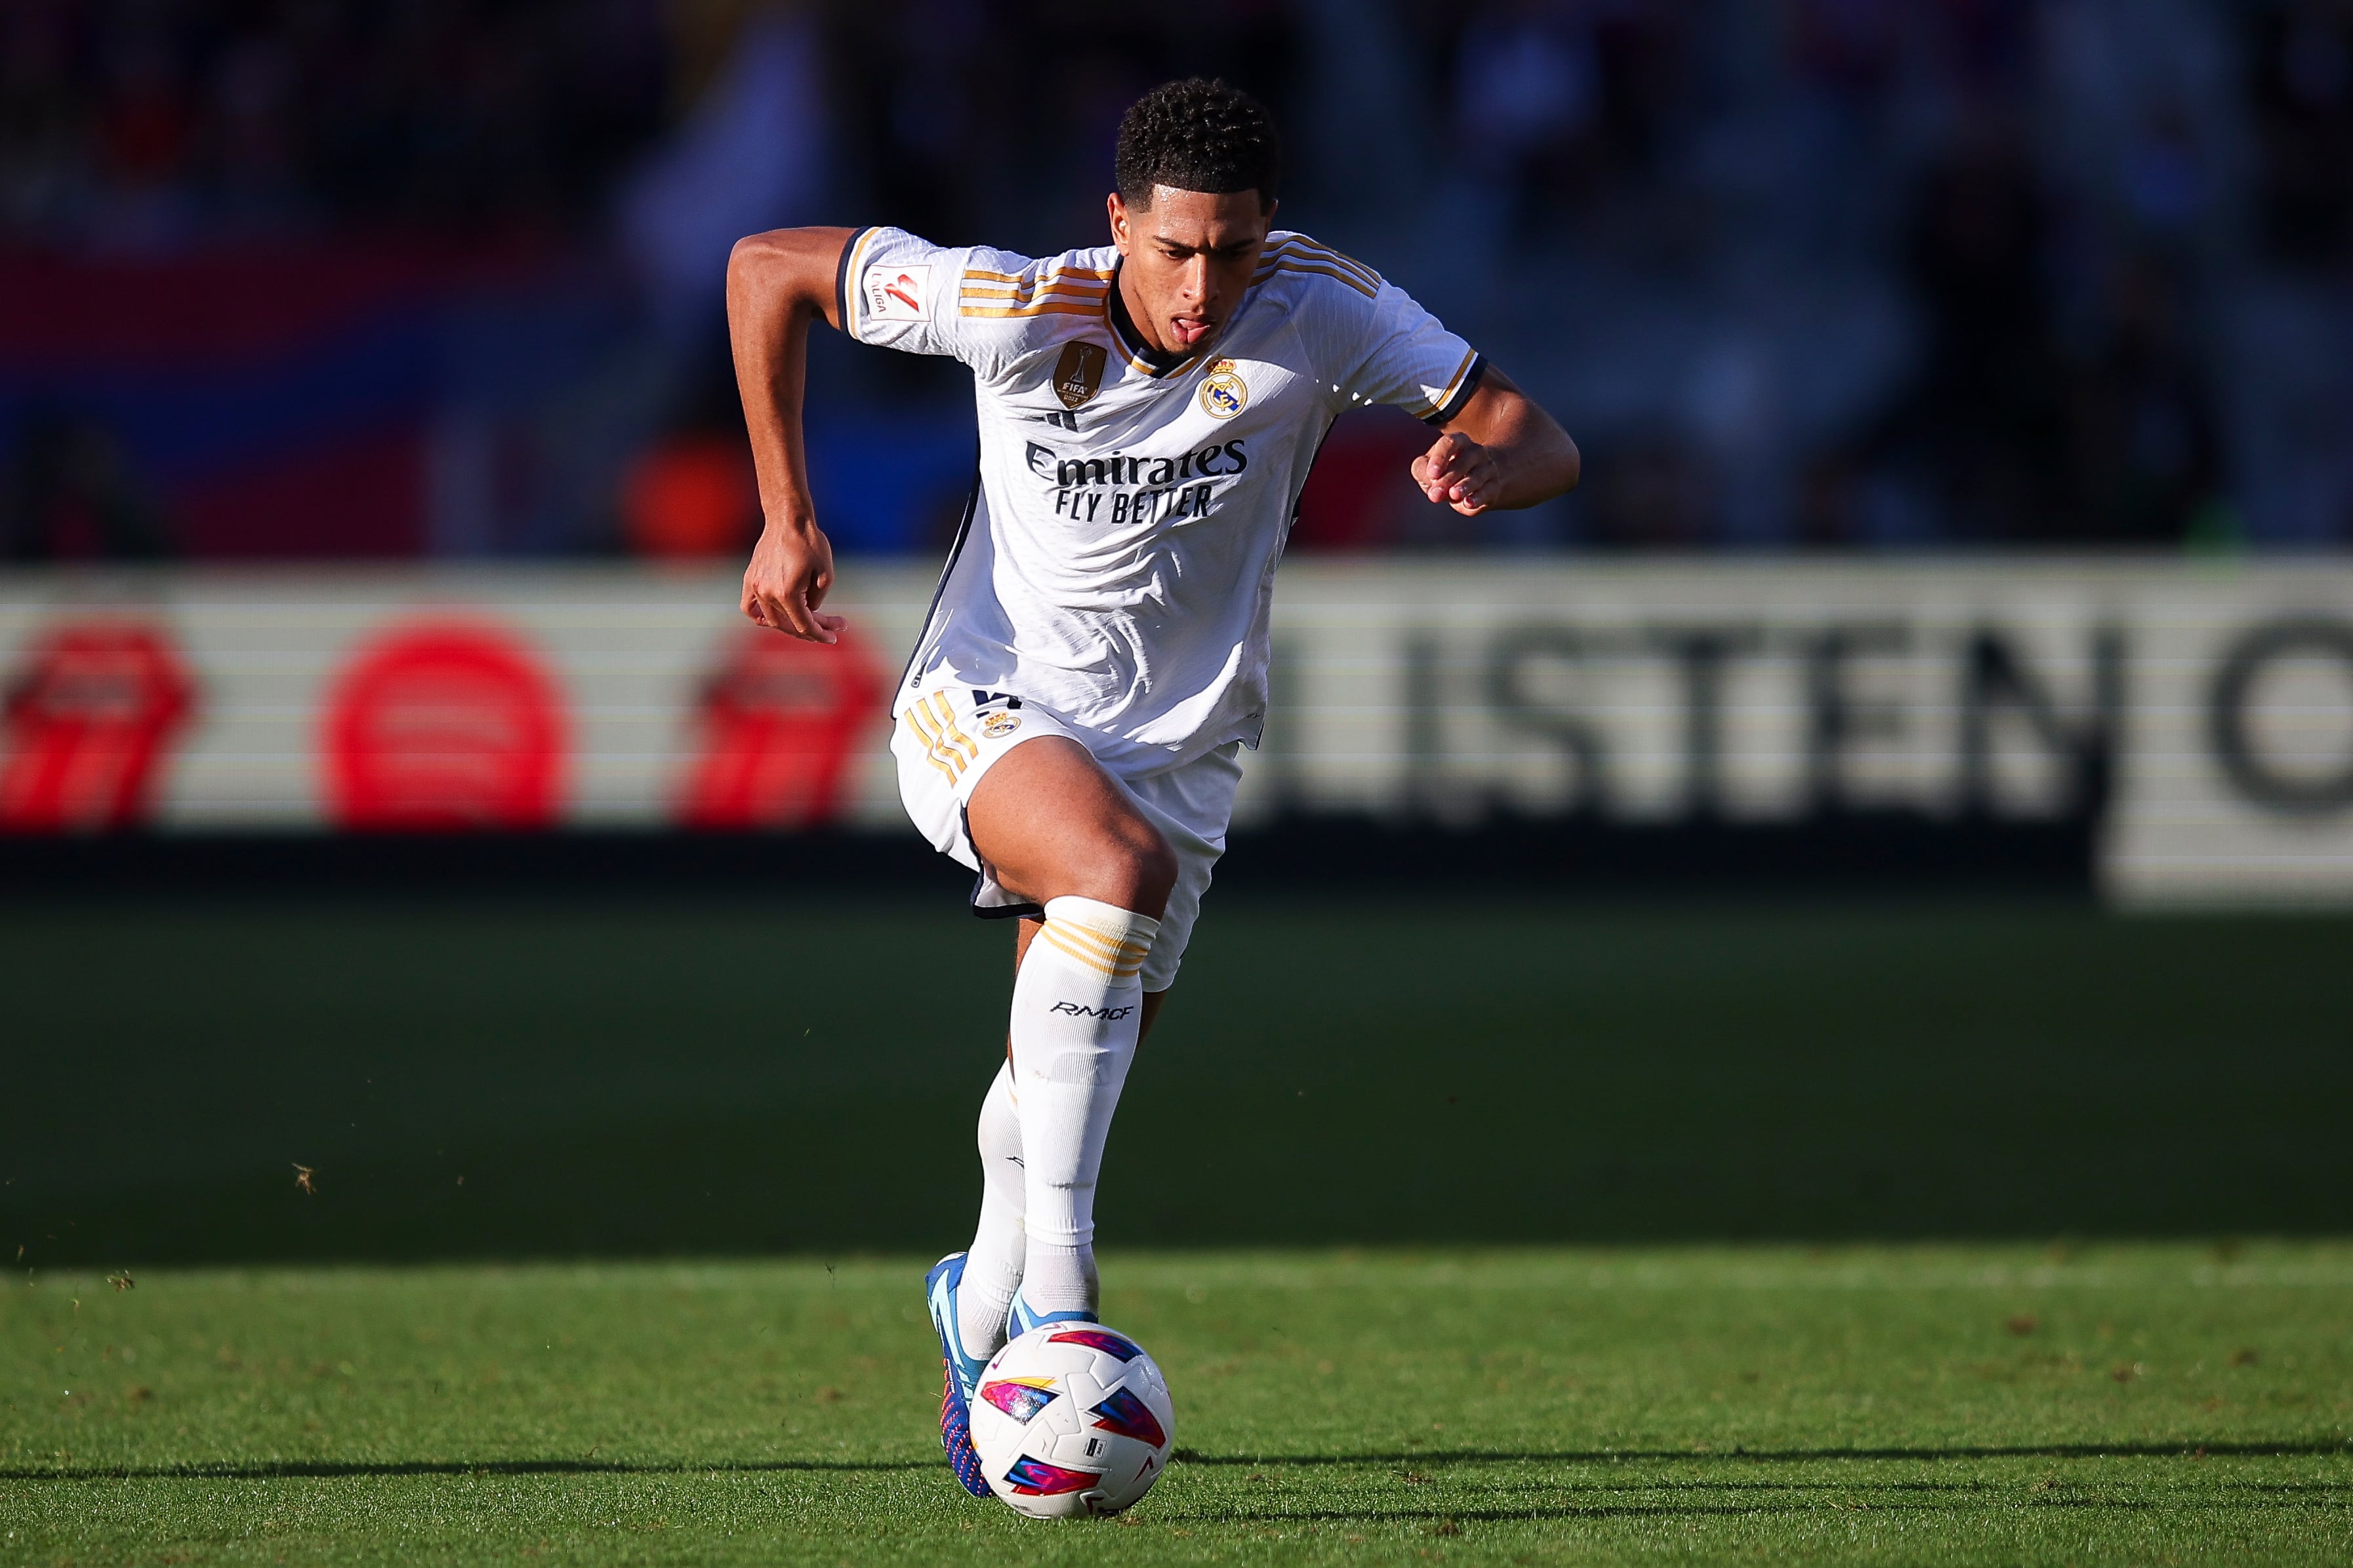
{"x":1519,"y":1231}
{"x":1937,"y":1404}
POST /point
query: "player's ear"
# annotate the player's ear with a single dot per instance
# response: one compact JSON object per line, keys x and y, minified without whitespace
{"x":1115,"y":205}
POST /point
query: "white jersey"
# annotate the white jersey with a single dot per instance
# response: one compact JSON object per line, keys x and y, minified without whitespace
{"x":1116,"y":564}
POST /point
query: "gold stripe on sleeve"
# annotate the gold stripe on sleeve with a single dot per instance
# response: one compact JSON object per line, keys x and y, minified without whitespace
{"x":1001,"y":296}
{"x":1298,"y":250}
{"x":1453,"y":386}
{"x":1051,"y":291}
{"x":1004,"y":282}
{"x":1301,"y":247}
{"x":1043,"y":308}
{"x":1052,"y":294}
{"x":1291,"y":264}
{"x":1017,"y":277}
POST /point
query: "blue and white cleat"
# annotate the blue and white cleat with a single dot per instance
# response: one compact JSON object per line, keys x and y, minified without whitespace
{"x":959,"y":1374}
{"x":1025,"y":1318}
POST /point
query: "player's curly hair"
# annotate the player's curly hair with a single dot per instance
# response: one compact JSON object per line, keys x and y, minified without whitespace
{"x":1198,"y":135}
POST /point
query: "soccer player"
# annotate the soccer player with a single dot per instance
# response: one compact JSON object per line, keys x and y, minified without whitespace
{"x":1070,"y":723}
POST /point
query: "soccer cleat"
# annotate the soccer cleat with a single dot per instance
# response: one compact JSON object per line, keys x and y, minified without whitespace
{"x":959,"y":1375}
{"x":1025,"y":1319}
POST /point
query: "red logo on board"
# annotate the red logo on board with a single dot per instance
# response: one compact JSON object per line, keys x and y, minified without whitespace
{"x":91,"y":724}
{"x":780,"y":720}
{"x":445,"y":725}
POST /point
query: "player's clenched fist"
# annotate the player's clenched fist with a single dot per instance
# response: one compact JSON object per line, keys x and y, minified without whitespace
{"x":1457,"y":472}
{"x":790,"y":574}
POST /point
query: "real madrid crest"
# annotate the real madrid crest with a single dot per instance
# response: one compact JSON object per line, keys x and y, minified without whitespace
{"x":997,"y":725}
{"x":1224,"y":393}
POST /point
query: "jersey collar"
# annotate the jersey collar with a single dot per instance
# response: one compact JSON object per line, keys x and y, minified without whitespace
{"x":1141,"y":355}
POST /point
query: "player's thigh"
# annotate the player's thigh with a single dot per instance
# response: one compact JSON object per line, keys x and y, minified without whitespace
{"x":1052,"y":823}
{"x":1193,"y":806}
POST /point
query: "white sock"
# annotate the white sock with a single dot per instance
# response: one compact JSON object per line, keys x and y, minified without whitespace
{"x":1077,"y":1005}
{"x":992,"y":1270}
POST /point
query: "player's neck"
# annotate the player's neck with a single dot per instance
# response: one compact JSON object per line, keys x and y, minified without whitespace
{"x":1136,"y":337}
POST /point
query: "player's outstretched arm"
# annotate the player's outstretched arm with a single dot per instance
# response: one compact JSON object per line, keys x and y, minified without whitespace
{"x":1501,"y":452}
{"x":776,"y":282}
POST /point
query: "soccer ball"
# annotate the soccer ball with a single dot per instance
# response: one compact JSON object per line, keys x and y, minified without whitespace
{"x":1073,"y":1419}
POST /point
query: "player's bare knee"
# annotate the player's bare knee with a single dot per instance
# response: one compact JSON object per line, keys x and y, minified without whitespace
{"x":1154,"y":868}
{"x":1137,"y":868}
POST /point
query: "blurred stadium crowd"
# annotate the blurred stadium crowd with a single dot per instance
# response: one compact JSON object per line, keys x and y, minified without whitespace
{"x":353,"y":278}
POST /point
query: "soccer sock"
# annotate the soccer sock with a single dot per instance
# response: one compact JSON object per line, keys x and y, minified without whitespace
{"x":992,"y":1269}
{"x":1077,"y":1005}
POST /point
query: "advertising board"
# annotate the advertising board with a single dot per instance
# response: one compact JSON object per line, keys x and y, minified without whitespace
{"x":2203,"y":715}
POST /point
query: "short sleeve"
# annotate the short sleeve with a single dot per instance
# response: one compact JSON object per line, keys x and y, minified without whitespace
{"x":1391,"y":350}
{"x":897,"y":292}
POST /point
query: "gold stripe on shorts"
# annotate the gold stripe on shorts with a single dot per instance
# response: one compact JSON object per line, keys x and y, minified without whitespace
{"x":949,"y":766}
{"x":947,"y":721}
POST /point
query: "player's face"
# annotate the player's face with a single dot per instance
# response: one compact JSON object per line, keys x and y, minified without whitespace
{"x":1188,"y":258}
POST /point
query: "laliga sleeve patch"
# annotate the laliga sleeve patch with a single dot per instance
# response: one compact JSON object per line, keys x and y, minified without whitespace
{"x":896,"y":292}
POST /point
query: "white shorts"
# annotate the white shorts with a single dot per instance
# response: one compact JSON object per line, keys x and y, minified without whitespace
{"x":951,"y":735}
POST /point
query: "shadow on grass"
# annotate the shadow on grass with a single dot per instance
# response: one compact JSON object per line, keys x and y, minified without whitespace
{"x":1442,"y":1517}
{"x":330,"y":1470}
{"x":1460,"y":1516}
{"x":2190,"y":1448}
